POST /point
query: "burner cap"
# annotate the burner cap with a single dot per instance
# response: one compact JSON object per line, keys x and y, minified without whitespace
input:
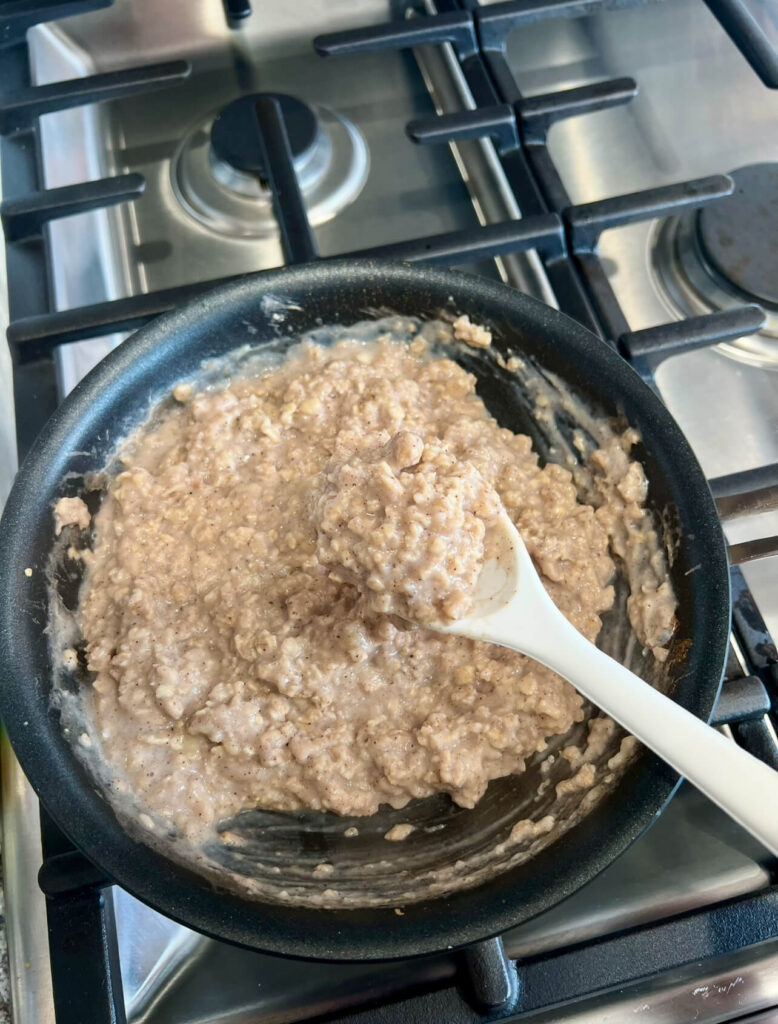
{"x":739,"y":235}
{"x":234,"y":135}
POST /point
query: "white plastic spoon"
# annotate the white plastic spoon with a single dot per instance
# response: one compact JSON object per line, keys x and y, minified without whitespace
{"x":512,"y":608}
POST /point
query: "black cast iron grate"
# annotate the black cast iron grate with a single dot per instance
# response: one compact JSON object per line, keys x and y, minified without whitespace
{"x":86,"y":976}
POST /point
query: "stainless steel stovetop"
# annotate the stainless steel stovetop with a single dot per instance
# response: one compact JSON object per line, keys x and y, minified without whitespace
{"x":701,"y":110}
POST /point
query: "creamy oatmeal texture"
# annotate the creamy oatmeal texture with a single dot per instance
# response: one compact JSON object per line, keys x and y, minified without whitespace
{"x":235,"y":664}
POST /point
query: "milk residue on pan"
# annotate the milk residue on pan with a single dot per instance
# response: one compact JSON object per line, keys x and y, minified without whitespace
{"x":248,"y":864}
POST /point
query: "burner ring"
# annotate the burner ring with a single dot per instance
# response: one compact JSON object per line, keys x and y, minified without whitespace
{"x":738,"y":235}
{"x":688,"y":255}
{"x":236,"y":203}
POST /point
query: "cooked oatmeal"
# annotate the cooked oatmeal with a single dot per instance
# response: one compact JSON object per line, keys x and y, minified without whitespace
{"x":406,"y":524}
{"x":70,"y":512}
{"x":235,"y":663}
{"x":397,"y":833}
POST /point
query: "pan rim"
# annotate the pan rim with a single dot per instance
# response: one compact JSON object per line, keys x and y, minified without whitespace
{"x":311,"y":933}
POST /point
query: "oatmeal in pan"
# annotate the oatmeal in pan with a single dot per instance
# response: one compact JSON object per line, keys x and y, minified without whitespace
{"x":235,"y":662}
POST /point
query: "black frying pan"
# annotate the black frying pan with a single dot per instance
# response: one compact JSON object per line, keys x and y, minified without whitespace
{"x":116,"y":395}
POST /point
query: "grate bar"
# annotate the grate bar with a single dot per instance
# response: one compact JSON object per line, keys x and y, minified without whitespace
{"x":84,"y":952}
{"x":745,"y":32}
{"x":296,"y":236}
{"x":36,"y":336}
{"x":24,"y":216}
{"x":543,"y":232}
{"x":455,"y":27}
{"x":696,"y":332}
{"x":741,"y":700}
{"x":491,"y":981}
{"x":535,"y":114}
{"x":747,"y":480}
{"x":749,"y":503}
{"x":33,"y":337}
{"x":588,"y":221}
{"x":538,"y":113}
{"x":749,"y":625}
{"x":747,"y":493}
{"x":497,"y":122}
{"x":69,"y":872}
{"x":753,"y":550}
{"x":19,"y":110}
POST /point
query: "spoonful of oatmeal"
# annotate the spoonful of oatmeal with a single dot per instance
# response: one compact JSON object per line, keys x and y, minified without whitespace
{"x":406,"y":523}
{"x":426,"y":539}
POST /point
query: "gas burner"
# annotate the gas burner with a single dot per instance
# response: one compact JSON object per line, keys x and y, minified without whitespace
{"x":218,"y":177}
{"x":725,"y":255}
{"x":235,"y":136}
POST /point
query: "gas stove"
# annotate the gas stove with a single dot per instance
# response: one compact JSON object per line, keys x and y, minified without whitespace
{"x":622,"y":165}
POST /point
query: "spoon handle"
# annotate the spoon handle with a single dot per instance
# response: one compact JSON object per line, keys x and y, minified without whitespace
{"x":742,"y":785}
